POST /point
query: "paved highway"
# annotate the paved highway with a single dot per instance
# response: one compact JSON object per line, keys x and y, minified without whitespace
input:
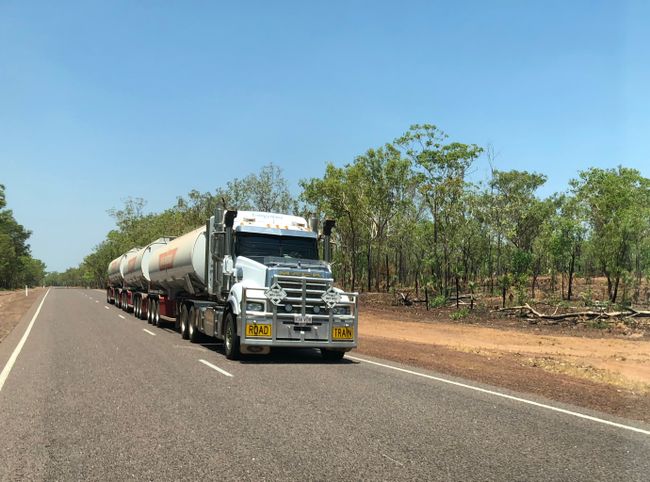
{"x":94,"y":393}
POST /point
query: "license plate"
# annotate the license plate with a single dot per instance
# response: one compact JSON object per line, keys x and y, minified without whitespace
{"x":263,"y":331}
{"x":302,"y":320}
{"x":342,"y":333}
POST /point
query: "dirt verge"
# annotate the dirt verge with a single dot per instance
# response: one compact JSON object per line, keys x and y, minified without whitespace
{"x":609,"y":374}
{"x":13,"y":305}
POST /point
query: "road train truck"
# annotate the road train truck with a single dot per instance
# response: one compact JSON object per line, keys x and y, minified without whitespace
{"x":251,"y":279}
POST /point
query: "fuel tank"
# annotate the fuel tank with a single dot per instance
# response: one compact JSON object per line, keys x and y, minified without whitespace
{"x":136,"y":273}
{"x":179,"y":260}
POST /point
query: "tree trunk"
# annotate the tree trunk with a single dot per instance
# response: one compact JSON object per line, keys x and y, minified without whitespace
{"x":387,"y":275}
{"x":572,"y":265}
{"x":369,"y":268}
{"x":615,"y":294}
{"x":354,"y":253}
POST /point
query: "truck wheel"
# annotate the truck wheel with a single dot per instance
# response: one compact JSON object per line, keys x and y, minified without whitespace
{"x":331,"y":355}
{"x":231,"y":340}
{"x":193,"y":331}
{"x":184,"y":328}
{"x":148,"y":311}
{"x":136,"y":308}
{"x":156,"y":314}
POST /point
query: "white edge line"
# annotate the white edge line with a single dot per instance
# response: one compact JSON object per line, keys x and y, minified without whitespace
{"x":106,"y":307}
{"x":150,"y":332}
{"x":121,"y":317}
{"x":16,"y":352}
{"x":215,"y":367}
{"x":503,"y":395}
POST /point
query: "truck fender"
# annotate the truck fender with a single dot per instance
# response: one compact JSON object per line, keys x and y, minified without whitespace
{"x":233,"y":306}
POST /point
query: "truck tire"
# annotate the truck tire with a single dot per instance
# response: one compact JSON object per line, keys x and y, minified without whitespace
{"x":230,"y":339}
{"x":148,"y":311}
{"x":184,"y":327}
{"x":136,"y":307}
{"x":192,"y":329}
{"x":331,"y":355}
{"x":156,"y":314}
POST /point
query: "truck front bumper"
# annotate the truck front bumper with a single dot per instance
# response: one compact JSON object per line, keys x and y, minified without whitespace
{"x":283,"y":331}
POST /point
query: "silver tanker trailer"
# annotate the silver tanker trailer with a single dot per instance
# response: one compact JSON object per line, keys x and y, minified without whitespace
{"x":115,"y":292}
{"x":255,"y":281}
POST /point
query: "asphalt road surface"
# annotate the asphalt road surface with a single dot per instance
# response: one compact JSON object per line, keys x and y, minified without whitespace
{"x":96,"y":394}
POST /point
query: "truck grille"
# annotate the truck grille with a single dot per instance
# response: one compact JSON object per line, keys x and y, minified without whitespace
{"x":304,"y":295}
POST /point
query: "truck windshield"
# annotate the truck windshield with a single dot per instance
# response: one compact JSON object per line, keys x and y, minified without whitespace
{"x":261,"y":245}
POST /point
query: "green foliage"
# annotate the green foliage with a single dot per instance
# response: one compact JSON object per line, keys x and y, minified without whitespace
{"x":459,"y":314}
{"x":437,"y":301}
{"x":615,"y":204}
{"x":17,"y":267}
{"x":598,"y":324}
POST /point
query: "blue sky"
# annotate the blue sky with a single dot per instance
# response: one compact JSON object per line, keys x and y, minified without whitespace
{"x":100,"y":101}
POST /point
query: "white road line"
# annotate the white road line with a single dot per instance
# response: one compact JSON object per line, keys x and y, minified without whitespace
{"x":14,"y":355}
{"x":151,"y":333}
{"x":214,"y":367}
{"x":504,"y":395}
{"x":121,"y":317}
{"x":106,"y":307}
{"x":96,"y":301}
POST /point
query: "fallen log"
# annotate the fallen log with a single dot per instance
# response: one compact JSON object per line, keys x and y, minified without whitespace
{"x":627,"y":313}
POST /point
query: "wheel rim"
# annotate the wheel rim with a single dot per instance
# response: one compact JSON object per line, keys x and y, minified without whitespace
{"x":228,"y":337}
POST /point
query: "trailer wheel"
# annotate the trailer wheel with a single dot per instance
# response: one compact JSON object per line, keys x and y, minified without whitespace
{"x":331,"y":355}
{"x":192,"y":329}
{"x":184,"y":328}
{"x":156,"y":314}
{"x":108,"y":297}
{"x":231,"y":340}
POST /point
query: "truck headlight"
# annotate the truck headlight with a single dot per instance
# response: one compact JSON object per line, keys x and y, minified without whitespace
{"x":254,"y":306}
{"x":341,"y":310}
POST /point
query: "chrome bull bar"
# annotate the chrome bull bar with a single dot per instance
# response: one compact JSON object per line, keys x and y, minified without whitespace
{"x":311,"y":319}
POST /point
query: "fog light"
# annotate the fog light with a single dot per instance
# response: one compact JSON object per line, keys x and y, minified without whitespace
{"x":341,"y":310}
{"x":254,"y":306}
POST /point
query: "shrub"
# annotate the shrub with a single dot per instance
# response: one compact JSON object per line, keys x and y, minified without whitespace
{"x":437,"y":301}
{"x":459,"y":314}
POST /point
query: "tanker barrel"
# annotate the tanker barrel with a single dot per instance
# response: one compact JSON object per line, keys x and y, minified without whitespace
{"x":327,"y":232}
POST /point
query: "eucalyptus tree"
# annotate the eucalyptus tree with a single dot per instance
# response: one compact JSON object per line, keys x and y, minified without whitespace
{"x":441,"y":169}
{"x":337,"y":195}
{"x":616,"y":205}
